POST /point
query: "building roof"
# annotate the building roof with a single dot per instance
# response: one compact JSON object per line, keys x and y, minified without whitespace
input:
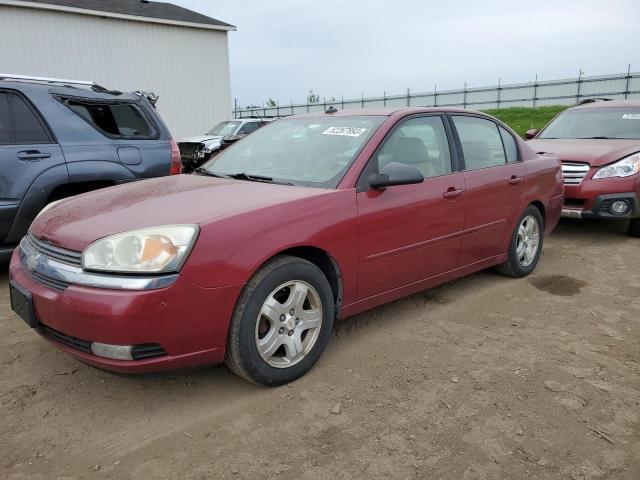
{"x":141,"y":10}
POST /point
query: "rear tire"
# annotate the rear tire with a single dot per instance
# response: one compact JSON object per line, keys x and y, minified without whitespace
{"x":634,"y":227}
{"x":526,"y":245}
{"x":282,"y":322}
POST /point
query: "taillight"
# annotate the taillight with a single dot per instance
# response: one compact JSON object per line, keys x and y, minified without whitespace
{"x":176,"y":163}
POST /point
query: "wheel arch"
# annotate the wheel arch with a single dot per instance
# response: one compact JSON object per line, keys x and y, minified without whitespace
{"x":321,"y":259}
{"x":540,"y":206}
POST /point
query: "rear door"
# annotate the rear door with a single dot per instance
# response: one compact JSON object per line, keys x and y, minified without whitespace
{"x":27,"y":149}
{"x":495,"y":181}
{"x":410,"y":232}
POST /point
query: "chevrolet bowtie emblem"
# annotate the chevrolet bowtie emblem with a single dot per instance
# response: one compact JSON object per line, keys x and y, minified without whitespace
{"x":32,"y":262}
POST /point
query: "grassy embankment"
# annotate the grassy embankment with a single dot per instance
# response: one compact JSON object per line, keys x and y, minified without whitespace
{"x":522,"y":119}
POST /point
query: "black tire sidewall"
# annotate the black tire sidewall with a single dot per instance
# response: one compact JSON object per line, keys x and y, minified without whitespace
{"x":518,"y":268}
{"x":260,"y":371}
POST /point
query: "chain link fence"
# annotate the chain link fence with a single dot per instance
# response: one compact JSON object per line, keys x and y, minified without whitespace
{"x":530,"y":94}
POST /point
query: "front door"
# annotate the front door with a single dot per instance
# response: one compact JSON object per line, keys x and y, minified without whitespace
{"x":410,"y":232}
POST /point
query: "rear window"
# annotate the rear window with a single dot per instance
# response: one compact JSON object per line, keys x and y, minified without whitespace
{"x":124,"y":120}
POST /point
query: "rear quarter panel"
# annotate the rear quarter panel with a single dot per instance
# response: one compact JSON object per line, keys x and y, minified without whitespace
{"x":545,"y":185}
{"x":90,"y":153}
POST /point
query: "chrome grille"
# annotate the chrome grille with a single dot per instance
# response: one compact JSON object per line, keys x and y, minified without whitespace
{"x":69,"y":257}
{"x":573,"y":173}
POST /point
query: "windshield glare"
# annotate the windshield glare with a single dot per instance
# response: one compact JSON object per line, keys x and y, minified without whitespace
{"x":303,"y":151}
{"x":224,"y":129}
{"x":614,"y":123}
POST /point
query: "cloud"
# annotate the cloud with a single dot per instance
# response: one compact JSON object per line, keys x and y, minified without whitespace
{"x":283,"y":48}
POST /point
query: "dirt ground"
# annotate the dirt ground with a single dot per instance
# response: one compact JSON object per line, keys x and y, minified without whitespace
{"x":483,"y":378}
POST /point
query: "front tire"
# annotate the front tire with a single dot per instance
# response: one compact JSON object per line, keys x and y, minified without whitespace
{"x":282,"y":322}
{"x":526,"y":245}
{"x":634,"y":227}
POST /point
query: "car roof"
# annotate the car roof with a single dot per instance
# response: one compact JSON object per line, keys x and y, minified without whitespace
{"x":386,"y":112}
{"x":608,"y":104}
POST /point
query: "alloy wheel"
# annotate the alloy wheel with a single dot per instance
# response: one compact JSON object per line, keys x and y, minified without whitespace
{"x":288,"y":324}
{"x":528,"y":240}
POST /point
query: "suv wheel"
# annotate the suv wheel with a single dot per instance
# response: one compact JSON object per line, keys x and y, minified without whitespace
{"x":282,"y":322}
{"x":526,"y":245}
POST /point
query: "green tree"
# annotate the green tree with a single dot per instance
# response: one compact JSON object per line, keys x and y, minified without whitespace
{"x":313,"y":97}
{"x":271,"y":103}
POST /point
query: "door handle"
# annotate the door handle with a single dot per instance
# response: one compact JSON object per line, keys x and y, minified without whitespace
{"x":452,"y":193}
{"x":32,"y":155}
{"x":513,"y":181}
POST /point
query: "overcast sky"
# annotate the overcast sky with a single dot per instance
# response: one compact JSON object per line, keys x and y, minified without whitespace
{"x":283,"y":48}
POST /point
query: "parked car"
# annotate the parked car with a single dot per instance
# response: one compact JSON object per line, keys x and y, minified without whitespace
{"x":599,"y":144}
{"x":195,"y":151}
{"x":59,"y":138}
{"x":309,"y":219}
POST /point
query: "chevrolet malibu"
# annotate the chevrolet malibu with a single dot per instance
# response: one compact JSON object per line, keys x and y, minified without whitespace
{"x":599,"y":144}
{"x":309,"y":219}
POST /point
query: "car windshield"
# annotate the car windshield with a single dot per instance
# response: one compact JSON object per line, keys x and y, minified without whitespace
{"x":224,"y":129}
{"x":613,"y":123}
{"x":315,"y":151}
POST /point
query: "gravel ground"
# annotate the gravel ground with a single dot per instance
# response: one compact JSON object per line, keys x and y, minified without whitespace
{"x":483,"y":378}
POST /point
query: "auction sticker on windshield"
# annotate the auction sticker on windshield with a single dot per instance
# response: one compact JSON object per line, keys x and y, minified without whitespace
{"x":345,"y":131}
{"x":631,"y":116}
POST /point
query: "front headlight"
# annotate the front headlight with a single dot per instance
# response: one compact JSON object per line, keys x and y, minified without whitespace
{"x":148,"y":250}
{"x":624,"y":168}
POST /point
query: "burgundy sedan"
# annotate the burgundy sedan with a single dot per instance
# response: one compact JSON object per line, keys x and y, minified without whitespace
{"x":309,"y":219}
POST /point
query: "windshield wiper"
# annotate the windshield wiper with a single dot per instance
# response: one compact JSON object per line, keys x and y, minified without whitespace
{"x":204,"y":171}
{"x":255,"y":178}
{"x":596,"y":138}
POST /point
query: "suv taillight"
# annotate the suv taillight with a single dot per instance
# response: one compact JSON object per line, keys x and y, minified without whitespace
{"x":176,"y":163}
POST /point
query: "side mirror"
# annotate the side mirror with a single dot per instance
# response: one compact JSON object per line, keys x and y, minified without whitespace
{"x":531,"y":133}
{"x":395,"y":174}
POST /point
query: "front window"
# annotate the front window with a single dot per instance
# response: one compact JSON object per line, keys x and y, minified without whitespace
{"x":302,"y":151}
{"x":610,"y":123}
{"x":224,"y":129}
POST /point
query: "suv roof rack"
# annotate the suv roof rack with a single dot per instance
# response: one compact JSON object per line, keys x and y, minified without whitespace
{"x":58,"y":81}
{"x":29,"y":78}
{"x":593,"y":100}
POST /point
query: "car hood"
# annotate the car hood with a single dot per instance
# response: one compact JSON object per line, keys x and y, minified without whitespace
{"x":200,"y":139}
{"x":180,"y":199}
{"x":594,"y":152}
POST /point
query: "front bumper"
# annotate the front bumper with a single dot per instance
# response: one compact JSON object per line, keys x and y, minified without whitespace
{"x":599,"y":207}
{"x":187,"y":321}
{"x":591,"y":198}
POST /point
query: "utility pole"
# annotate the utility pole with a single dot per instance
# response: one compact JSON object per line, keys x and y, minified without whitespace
{"x":464,"y":98}
{"x":626,"y":88}
{"x":579,"y":83}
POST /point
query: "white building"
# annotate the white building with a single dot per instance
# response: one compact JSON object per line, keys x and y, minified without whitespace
{"x":180,"y":55}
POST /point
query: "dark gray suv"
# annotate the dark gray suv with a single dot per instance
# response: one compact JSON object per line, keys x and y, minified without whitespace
{"x":59,"y":138}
